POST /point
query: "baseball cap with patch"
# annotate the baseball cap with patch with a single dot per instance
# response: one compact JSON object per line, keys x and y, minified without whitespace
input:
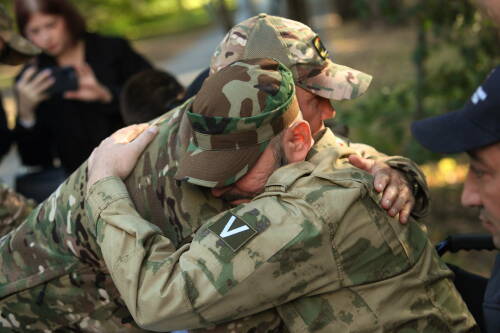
{"x":297,"y":47}
{"x":474,"y":126}
{"x":237,"y":111}
{"x":17,"y":49}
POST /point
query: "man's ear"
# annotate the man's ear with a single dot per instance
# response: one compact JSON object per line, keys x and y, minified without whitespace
{"x":297,"y":141}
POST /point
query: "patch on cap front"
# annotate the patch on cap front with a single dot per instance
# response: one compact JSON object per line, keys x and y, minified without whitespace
{"x":233,"y":231}
{"x":320,"y":48}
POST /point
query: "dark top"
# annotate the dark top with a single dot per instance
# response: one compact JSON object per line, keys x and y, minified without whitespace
{"x":70,"y":129}
{"x":491,"y":305}
{"x":5,"y":134}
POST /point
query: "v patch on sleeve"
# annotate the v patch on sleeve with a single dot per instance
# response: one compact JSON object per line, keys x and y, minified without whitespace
{"x":233,"y":231}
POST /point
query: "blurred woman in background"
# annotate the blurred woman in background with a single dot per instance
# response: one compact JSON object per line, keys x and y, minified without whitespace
{"x":69,"y":121}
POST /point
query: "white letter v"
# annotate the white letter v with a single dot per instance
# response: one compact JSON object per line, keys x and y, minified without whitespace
{"x":226,"y":232}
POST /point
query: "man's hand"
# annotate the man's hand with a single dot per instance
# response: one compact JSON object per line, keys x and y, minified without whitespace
{"x":118,"y":154}
{"x":397,"y":194}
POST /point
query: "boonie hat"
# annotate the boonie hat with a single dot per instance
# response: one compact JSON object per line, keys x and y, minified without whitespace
{"x":237,"y":111}
{"x":474,"y":126}
{"x":297,"y":47}
{"x":17,"y":48}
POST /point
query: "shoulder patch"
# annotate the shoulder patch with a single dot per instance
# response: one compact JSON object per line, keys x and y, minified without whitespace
{"x":233,"y":231}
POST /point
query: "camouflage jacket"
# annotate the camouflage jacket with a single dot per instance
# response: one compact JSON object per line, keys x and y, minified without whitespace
{"x":57,"y":241}
{"x":316,"y":245}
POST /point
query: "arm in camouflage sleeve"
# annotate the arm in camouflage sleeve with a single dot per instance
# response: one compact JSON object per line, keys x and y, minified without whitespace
{"x":209,"y":281}
{"x":410,"y":169}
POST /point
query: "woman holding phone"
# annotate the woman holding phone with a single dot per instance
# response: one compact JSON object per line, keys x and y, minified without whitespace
{"x":68,"y":96}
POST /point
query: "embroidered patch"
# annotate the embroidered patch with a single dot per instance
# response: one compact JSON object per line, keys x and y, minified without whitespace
{"x":233,"y":231}
{"x":318,"y":45}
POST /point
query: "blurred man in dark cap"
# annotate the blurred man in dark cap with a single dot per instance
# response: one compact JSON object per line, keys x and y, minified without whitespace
{"x":475,"y":129}
{"x":14,"y":50}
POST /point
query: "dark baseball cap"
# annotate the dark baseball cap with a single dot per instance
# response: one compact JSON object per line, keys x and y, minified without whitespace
{"x":474,"y":126}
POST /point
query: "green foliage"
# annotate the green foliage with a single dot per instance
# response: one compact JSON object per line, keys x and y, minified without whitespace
{"x":457,"y":48}
{"x":138,"y":19}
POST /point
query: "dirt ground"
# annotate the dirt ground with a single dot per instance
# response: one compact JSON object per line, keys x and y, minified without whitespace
{"x":161,"y":48}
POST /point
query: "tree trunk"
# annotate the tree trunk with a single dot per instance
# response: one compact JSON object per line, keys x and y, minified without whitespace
{"x":420,"y":56}
{"x":298,"y":11}
{"x":346,"y":9}
{"x":225,"y":15}
{"x":180,"y":5}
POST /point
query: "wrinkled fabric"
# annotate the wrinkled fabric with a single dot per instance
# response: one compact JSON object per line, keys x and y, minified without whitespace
{"x":316,"y":245}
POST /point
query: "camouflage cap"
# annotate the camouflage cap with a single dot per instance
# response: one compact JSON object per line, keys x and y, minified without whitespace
{"x":297,"y":47}
{"x":237,"y":111}
{"x":17,"y":48}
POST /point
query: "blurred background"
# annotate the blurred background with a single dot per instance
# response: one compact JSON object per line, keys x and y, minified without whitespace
{"x":427,"y":57}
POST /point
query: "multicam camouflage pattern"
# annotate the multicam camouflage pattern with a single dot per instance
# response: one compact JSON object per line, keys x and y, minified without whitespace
{"x":51,"y":273}
{"x":297,"y":47}
{"x":18,"y":49}
{"x":325,"y":255}
{"x":14,"y":208}
{"x":233,"y":118}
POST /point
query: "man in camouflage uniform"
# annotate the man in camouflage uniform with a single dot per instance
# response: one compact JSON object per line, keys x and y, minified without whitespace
{"x":314,"y":243}
{"x":319,"y":83}
{"x":57,"y":262}
{"x":14,"y":50}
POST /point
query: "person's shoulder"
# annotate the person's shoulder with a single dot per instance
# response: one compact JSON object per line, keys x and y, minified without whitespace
{"x":328,"y":191}
{"x":329,"y":168}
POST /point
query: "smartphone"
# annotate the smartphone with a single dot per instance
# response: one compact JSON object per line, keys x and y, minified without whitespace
{"x":65,"y":79}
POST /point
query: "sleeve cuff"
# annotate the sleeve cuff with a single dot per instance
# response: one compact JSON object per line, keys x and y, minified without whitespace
{"x":103,"y":193}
